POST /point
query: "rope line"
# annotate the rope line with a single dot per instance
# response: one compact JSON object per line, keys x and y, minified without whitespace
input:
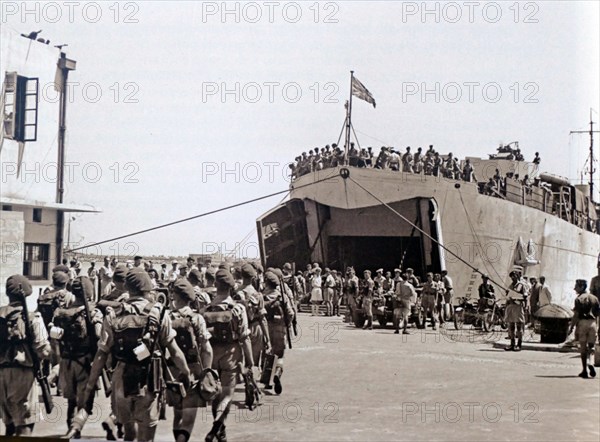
{"x":423,"y":232}
{"x":212,"y":212}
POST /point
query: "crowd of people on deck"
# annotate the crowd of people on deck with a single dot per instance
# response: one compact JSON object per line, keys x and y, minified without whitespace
{"x":429,"y":162}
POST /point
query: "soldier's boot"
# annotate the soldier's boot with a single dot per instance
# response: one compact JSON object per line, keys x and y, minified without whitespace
{"x":181,"y":435}
{"x":110,"y":427}
{"x":519,"y":344}
{"x":11,"y":429}
{"x":277,"y":377}
{"x":512,"y":345}
{"x":217,"y":433}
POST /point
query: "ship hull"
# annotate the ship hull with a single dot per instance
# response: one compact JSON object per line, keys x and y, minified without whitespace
{"x":346,"y":222}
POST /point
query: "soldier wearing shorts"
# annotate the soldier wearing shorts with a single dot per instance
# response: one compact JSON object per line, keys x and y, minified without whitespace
{"x":255,"y":309}
{"x":429,"y":300}
{"x":17,"y":390}
{"x":193,"y":340}
{"x":585,"y":312}
{"x":69,"y":332}
{"x":227,"y":323}
{"x":515,"y":310}
{"x":405,"y":295}
{"x":275,"y":313}
{"x":368,"y":289}
{"x":138,"y":319}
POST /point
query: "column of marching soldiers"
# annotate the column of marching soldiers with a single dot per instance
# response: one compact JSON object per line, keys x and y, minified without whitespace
{"x":186,"y":346}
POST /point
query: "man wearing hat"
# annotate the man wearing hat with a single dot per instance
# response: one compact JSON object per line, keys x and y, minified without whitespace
{"x":136,"y":398}
{"x":368,"y":289}
{"x":17,"y":392}
{"x":337,"y":292}
{"x":52,"y":298}
{"x":228,"y":324}
{"x":429,"y":296}
{"x":69,"y":332}
{"x":209,"y":282}
{"x":585,"y":313}
{"x":255,"y":309}
{"x":404,"y":296}
{"x":116,"y":291}
{"x":275,"y":313}
{"x":193,"y":339}
{"x":174,"y":272}
{"x":379,"y":280}
{"x":351,"y":285}
{"x":329,"y":286}
{"x":202,"y":298}
{"x":410,"y":276}
{"x":316,"y":294}
{"x":515,"y":309}
{"x":93,"y":275}
{"x":105,"y":275}
{"x":292,"y":282}
{"x":138,"y":261}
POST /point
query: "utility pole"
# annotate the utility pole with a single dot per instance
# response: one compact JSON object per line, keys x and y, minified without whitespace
{"x":65,"y":65}
{"x":592,"y":170}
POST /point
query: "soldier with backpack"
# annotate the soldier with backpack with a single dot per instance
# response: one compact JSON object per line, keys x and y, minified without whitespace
{"x":277,"y":309}
{"x":193,"y":340}
{"x":52,"y":298}
{"x":133,"y":335}
{"x":76,"y":331}
{"x":17,"y":375}
{"x":227,"y":323}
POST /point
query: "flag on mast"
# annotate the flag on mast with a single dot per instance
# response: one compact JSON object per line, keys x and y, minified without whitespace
{"x":360,"y":91}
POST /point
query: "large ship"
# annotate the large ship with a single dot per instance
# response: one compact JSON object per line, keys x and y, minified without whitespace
{"x":373,"y":218}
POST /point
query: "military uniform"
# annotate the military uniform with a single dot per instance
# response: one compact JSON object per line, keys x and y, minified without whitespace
{"x":193,"y":339}
{"x":17,"y":380}
{"x":515,"y":313}
{"x":276,"y":311}
{"x":257,"y":322}
{"x":75,"y":345}
{"x":429,"y":296}
{"x":130,"y":335}
{"x":227,"y":323}
{"x":351,"y":285}
{"x":368,"y":288}
{"x":404,"y":296}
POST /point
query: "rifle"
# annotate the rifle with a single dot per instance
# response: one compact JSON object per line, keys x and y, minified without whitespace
{"x":93,"y":343}
{"x":37,"y":367}
{"x":297,"y":306}
{"x":286,"y":318}
{"x":156,"y":368}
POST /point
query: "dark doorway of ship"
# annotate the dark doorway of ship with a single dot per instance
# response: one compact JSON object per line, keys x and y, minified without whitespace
{"x":368,"y":252}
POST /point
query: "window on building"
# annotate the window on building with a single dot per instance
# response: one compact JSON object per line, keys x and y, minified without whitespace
{"x":37,"y":215}
{"x":35,"y":264}
{"x":7,"y":208}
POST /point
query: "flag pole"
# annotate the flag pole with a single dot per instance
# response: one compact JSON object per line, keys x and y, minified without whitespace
{"x":349,"y":119}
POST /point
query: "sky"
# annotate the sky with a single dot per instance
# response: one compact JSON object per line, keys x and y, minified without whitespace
{"x":186,"y":107}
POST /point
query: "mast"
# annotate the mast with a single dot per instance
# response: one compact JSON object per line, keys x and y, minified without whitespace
{"x":592,"y":170}
{"x":349,"y":118}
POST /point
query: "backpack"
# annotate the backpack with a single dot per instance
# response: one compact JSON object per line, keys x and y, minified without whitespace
{"x":12,"y":333}
{"x":186,"y":336}
{"x":129,"y":330}
{"x":48,"y":303}
{"x":219,"y":320}
{"x":75,"y":340}
{"x":274,"y":307}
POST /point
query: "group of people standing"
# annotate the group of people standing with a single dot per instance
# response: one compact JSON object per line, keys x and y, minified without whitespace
{"x":189,"y":350}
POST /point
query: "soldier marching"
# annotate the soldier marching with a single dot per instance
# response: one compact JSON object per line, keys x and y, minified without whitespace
{"x":190,"y":350}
